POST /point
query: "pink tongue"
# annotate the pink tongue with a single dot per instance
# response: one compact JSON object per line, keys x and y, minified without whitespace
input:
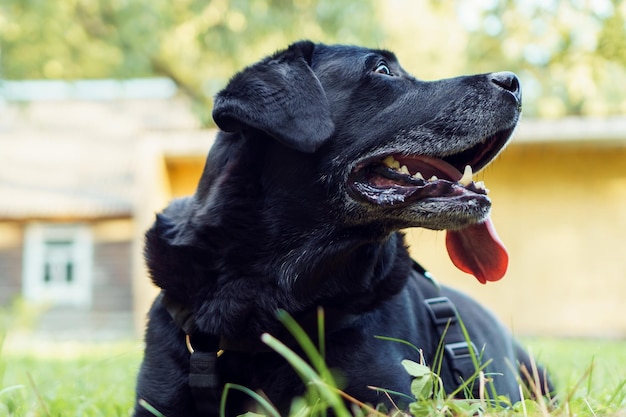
{"x":478,"y":250}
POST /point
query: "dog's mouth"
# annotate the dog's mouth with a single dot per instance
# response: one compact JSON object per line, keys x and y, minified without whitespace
{"x":404,"y":179}
{"x":398,"y":180}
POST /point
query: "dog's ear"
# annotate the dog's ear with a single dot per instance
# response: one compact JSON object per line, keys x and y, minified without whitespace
{"x":280,"y":96}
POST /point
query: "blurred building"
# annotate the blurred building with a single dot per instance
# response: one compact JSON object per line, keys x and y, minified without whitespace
{"x":84,"y":167}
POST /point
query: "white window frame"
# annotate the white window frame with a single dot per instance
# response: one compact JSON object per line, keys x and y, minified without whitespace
{"x":63,"y":244}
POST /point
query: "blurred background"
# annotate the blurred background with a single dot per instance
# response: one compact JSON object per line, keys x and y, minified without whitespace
{"x":105,"y":117}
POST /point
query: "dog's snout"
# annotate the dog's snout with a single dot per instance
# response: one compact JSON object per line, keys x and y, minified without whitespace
{"x":509,"y":82}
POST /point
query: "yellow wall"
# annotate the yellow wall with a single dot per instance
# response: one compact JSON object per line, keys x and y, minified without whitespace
{"x":183,"y":174}
{"x":561,"y":211}
{"x":10,"y":235}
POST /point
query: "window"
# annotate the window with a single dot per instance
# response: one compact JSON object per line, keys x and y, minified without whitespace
{"x":58,"y":264}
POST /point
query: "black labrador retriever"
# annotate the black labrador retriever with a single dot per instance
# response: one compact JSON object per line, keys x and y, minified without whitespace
{"x":325,"y":153}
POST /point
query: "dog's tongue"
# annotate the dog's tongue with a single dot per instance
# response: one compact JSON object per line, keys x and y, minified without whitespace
{"x":478,"y":250}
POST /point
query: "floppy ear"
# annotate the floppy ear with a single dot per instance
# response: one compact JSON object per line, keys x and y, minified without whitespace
{"x":282,"y":97}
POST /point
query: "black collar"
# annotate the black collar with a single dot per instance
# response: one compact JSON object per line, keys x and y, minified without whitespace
{"x":183,"y":317}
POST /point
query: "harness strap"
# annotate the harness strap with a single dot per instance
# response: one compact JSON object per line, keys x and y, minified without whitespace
{"x":457,"y":351}
{"x":203,"y":379}
{"x":182,"y":316}
{"x":204,"y":382}
{"x":445,"y":319}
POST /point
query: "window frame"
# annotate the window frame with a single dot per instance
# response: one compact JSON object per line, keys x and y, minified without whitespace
{"x":39,"y":253}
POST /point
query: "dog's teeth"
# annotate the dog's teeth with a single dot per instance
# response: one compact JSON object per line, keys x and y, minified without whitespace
{"x":391,"y":162}
{"x":433,"y":178}
{"x":466,"y":179}
{"x":404,"y":170}
{"x":419,"y":176}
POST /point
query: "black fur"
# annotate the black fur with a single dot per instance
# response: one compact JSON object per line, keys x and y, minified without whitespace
{"x":275,"y":224}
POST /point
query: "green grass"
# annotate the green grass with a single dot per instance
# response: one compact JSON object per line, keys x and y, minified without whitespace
{"x":590,"y":373}
{"x":76,"y":379}
{"x":68,"y":379}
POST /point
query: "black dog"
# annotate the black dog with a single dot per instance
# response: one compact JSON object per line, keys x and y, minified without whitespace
{"x":325,"y":153}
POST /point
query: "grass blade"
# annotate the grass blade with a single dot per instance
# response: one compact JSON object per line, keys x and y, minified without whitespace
{"x":321,"y":331}
{"x":258,"y":398}
{"x":145,"y":404}
{"x":308,"y":375}
{"x":9,"y":389}
{"x":618,"y":392}
{"x":307,"y":346}
{"x":404,"y":342}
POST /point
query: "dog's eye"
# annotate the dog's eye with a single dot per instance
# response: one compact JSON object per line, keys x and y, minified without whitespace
{"x":382,"y":68}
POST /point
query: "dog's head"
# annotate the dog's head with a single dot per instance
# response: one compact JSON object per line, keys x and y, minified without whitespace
{"x":348,"y":130}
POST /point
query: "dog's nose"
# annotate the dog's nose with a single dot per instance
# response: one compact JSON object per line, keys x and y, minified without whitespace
{"x":509,"y":82}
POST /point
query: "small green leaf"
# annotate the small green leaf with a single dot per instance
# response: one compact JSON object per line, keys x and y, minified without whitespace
{"x":415,"y":369}
{"x":465,"y":407}
{"x":422,"y":387}
{"x":504,"y":400}
{"x":421,"y":409}
{"x":528,"y":407}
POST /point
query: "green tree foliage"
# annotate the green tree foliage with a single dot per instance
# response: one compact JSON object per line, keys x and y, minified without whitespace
{"x":570,"y":54}
{"x":197,"y":43}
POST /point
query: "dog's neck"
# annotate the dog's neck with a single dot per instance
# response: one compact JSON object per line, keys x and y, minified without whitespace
{"x":235,"y":286}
